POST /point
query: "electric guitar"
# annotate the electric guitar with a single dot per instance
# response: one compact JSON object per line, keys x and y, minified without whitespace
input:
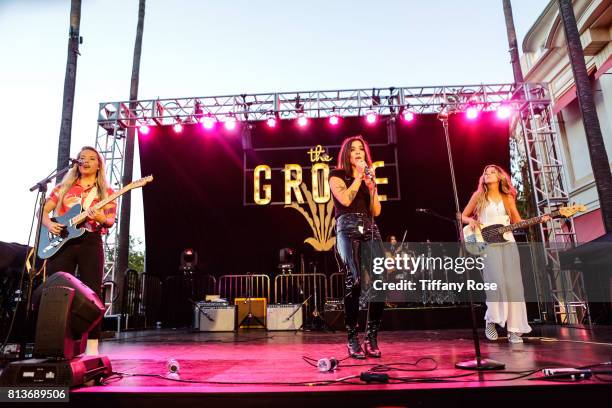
{"x":500,"y":230}
{"x":74,"y":219}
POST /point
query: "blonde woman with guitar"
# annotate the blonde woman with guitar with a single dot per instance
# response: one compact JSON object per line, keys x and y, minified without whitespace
{"x":85,"y":185}
{"x":493,"y":200}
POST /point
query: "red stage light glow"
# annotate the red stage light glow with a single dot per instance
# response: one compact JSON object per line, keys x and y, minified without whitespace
{"x":471,"y":112}
{"x":271,"y":122}
{"x":302,"y":121}
{"x":371,"y":118}
{"x":334,"y":120}
{"x":504,"y":112}
{"x":178,"y":128}
{"x":144,"y":129}
{"x":230,"y":123}
{"x":408,"y":116}
{"x":208,"y":122}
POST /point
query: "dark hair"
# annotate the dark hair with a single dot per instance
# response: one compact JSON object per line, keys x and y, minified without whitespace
{"x":344,"y":157}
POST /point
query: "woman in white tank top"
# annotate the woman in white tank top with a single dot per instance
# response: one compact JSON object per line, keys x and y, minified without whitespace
{"x":494,"y":200}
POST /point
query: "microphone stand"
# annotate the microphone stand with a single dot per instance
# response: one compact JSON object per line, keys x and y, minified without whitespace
{"x":479,"y":363}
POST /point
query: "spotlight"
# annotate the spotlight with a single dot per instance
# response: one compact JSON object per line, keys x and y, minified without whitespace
{"x":271,"y":122}
{"x":407,"y":115}
{"x":208,"y":121}
{"x":371,"y":117}
{"x":334,"y":119}
{"x":230,"y":122}
{"x":504,"y":112}
{"x":144,"y":129}
{"x":178,"y":128}
{"x":471,"y":112}
{"x":302,"y":120}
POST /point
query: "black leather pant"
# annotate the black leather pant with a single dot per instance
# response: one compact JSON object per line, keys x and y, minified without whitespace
{"x":353,"y":230}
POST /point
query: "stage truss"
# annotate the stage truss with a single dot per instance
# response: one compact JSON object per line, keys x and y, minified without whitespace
{"x":533,"y":127}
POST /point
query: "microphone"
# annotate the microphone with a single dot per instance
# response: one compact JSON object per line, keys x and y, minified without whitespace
{"x":367,"y":170}
{"x":76,"y":161}
{"x":327,"y":364}
{"x":570,"y":373}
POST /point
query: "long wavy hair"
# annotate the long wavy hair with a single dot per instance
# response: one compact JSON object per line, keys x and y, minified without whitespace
{"x":74,"y":174}
{"x":344,"y":157}
{"x":505,"y":188}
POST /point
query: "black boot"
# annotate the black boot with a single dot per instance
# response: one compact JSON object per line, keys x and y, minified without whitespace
{"x":353,"y":346}
{"x":371,"y":342}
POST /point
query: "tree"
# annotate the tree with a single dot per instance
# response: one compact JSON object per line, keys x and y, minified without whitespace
{"x":128,"y":166}
{"x":63,"y":148}
{"x":597,"y":150}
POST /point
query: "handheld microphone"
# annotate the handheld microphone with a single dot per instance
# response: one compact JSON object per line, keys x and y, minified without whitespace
{"x":327,"y":364}
{"x":367,"y":170}
{"x":76,"y":161}
{"x":566,"y":372}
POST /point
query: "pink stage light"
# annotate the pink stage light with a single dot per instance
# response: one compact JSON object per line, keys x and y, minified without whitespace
{"x":178,"y":128}
{"x":408,"y":116}
{"x":271,"y":122}
{"x":471,"y":112}
{"x":334,"y":120}
{"x":504,"y":112}
{"x":371,"y":118}
{"x":208,"y":122}
{"x":230,"y":123}
{"x":302,"y":121}
{"x":144,"y":129}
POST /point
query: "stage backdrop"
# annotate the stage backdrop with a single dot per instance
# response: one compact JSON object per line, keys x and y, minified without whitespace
{"x":223,"y":192}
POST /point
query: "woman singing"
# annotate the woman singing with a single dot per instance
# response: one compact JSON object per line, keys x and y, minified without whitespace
{"x":84,"y":184}
{"x":356,"y":203}
{"x":494,"y":198}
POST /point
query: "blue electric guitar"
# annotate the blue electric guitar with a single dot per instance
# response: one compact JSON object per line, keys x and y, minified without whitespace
{"x":74,"y":219}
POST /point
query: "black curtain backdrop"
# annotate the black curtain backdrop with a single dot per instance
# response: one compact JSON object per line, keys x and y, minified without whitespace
{"x":196,"y":199}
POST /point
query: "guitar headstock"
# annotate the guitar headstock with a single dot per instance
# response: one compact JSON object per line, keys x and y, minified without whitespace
{"x":141,"y":182}
{"x":571,"y":210}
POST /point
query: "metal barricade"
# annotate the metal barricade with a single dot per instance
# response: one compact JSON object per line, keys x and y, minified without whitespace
{"x":297,"y":287}
{"x":151,"y":295}
{"x":336,"y":286}
{"x":246,"y":286}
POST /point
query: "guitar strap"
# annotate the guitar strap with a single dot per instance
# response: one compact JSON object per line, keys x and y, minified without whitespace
{"x":506,"y":202}
{"x":93,"y":193}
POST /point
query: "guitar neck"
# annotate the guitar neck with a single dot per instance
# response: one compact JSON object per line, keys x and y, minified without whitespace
{"x":82,"y":216}
{"x":523,"y":224}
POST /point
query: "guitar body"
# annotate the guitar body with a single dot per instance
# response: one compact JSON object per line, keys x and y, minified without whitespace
{"x":50,"y":244}
{"x":477,"y":241}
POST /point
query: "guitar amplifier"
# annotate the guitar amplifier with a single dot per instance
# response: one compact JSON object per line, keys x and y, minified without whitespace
{"x":282,"y":317}
{"x":208,"y":317}
{"x":257,"y":308}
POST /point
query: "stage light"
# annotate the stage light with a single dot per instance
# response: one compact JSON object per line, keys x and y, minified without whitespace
{"x":371,"y":117}
{"x":302,"y":121}
{"x":504,"y":112}
{"x":271,"y":122}
{"x":208,"y":122}
{"x":407,"y":115}
{"x":230,"y":122}
{"x":334,"y":120}
{"x":471,"y":112}
{"x":144,"y":129}
{"x":178,"y":128}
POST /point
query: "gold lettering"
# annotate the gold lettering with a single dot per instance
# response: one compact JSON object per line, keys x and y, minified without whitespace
{"x":380,"y":180}
{"x":262,"y":168}
{"x":293,"y":183}
{"x":320,"y":175}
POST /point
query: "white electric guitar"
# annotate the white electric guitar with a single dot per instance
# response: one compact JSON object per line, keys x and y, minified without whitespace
{"x":500,"y":230}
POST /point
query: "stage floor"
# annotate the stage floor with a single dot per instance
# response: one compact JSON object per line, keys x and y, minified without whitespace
{"x":264,"y":368}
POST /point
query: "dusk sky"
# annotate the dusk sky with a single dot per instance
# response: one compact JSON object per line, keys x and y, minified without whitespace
{"x":205,"y":48}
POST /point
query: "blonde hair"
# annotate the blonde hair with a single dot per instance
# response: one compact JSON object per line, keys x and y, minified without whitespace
{"x":506,"y":189}
{"x":74,"y":174}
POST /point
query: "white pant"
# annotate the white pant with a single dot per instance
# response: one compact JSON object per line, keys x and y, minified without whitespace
{"x":506,"y":305}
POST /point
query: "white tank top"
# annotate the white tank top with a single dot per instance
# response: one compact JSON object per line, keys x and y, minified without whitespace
{"x":495,"y":213}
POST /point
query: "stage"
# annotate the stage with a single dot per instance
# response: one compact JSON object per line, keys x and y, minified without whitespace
{"x":259,"y":368}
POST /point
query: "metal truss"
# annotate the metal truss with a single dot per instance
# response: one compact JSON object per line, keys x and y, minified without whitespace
{"x":535,"y":125}
{"x":544,"y":157}
{"x":315,"y":104}
{"x":110,"y":142}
